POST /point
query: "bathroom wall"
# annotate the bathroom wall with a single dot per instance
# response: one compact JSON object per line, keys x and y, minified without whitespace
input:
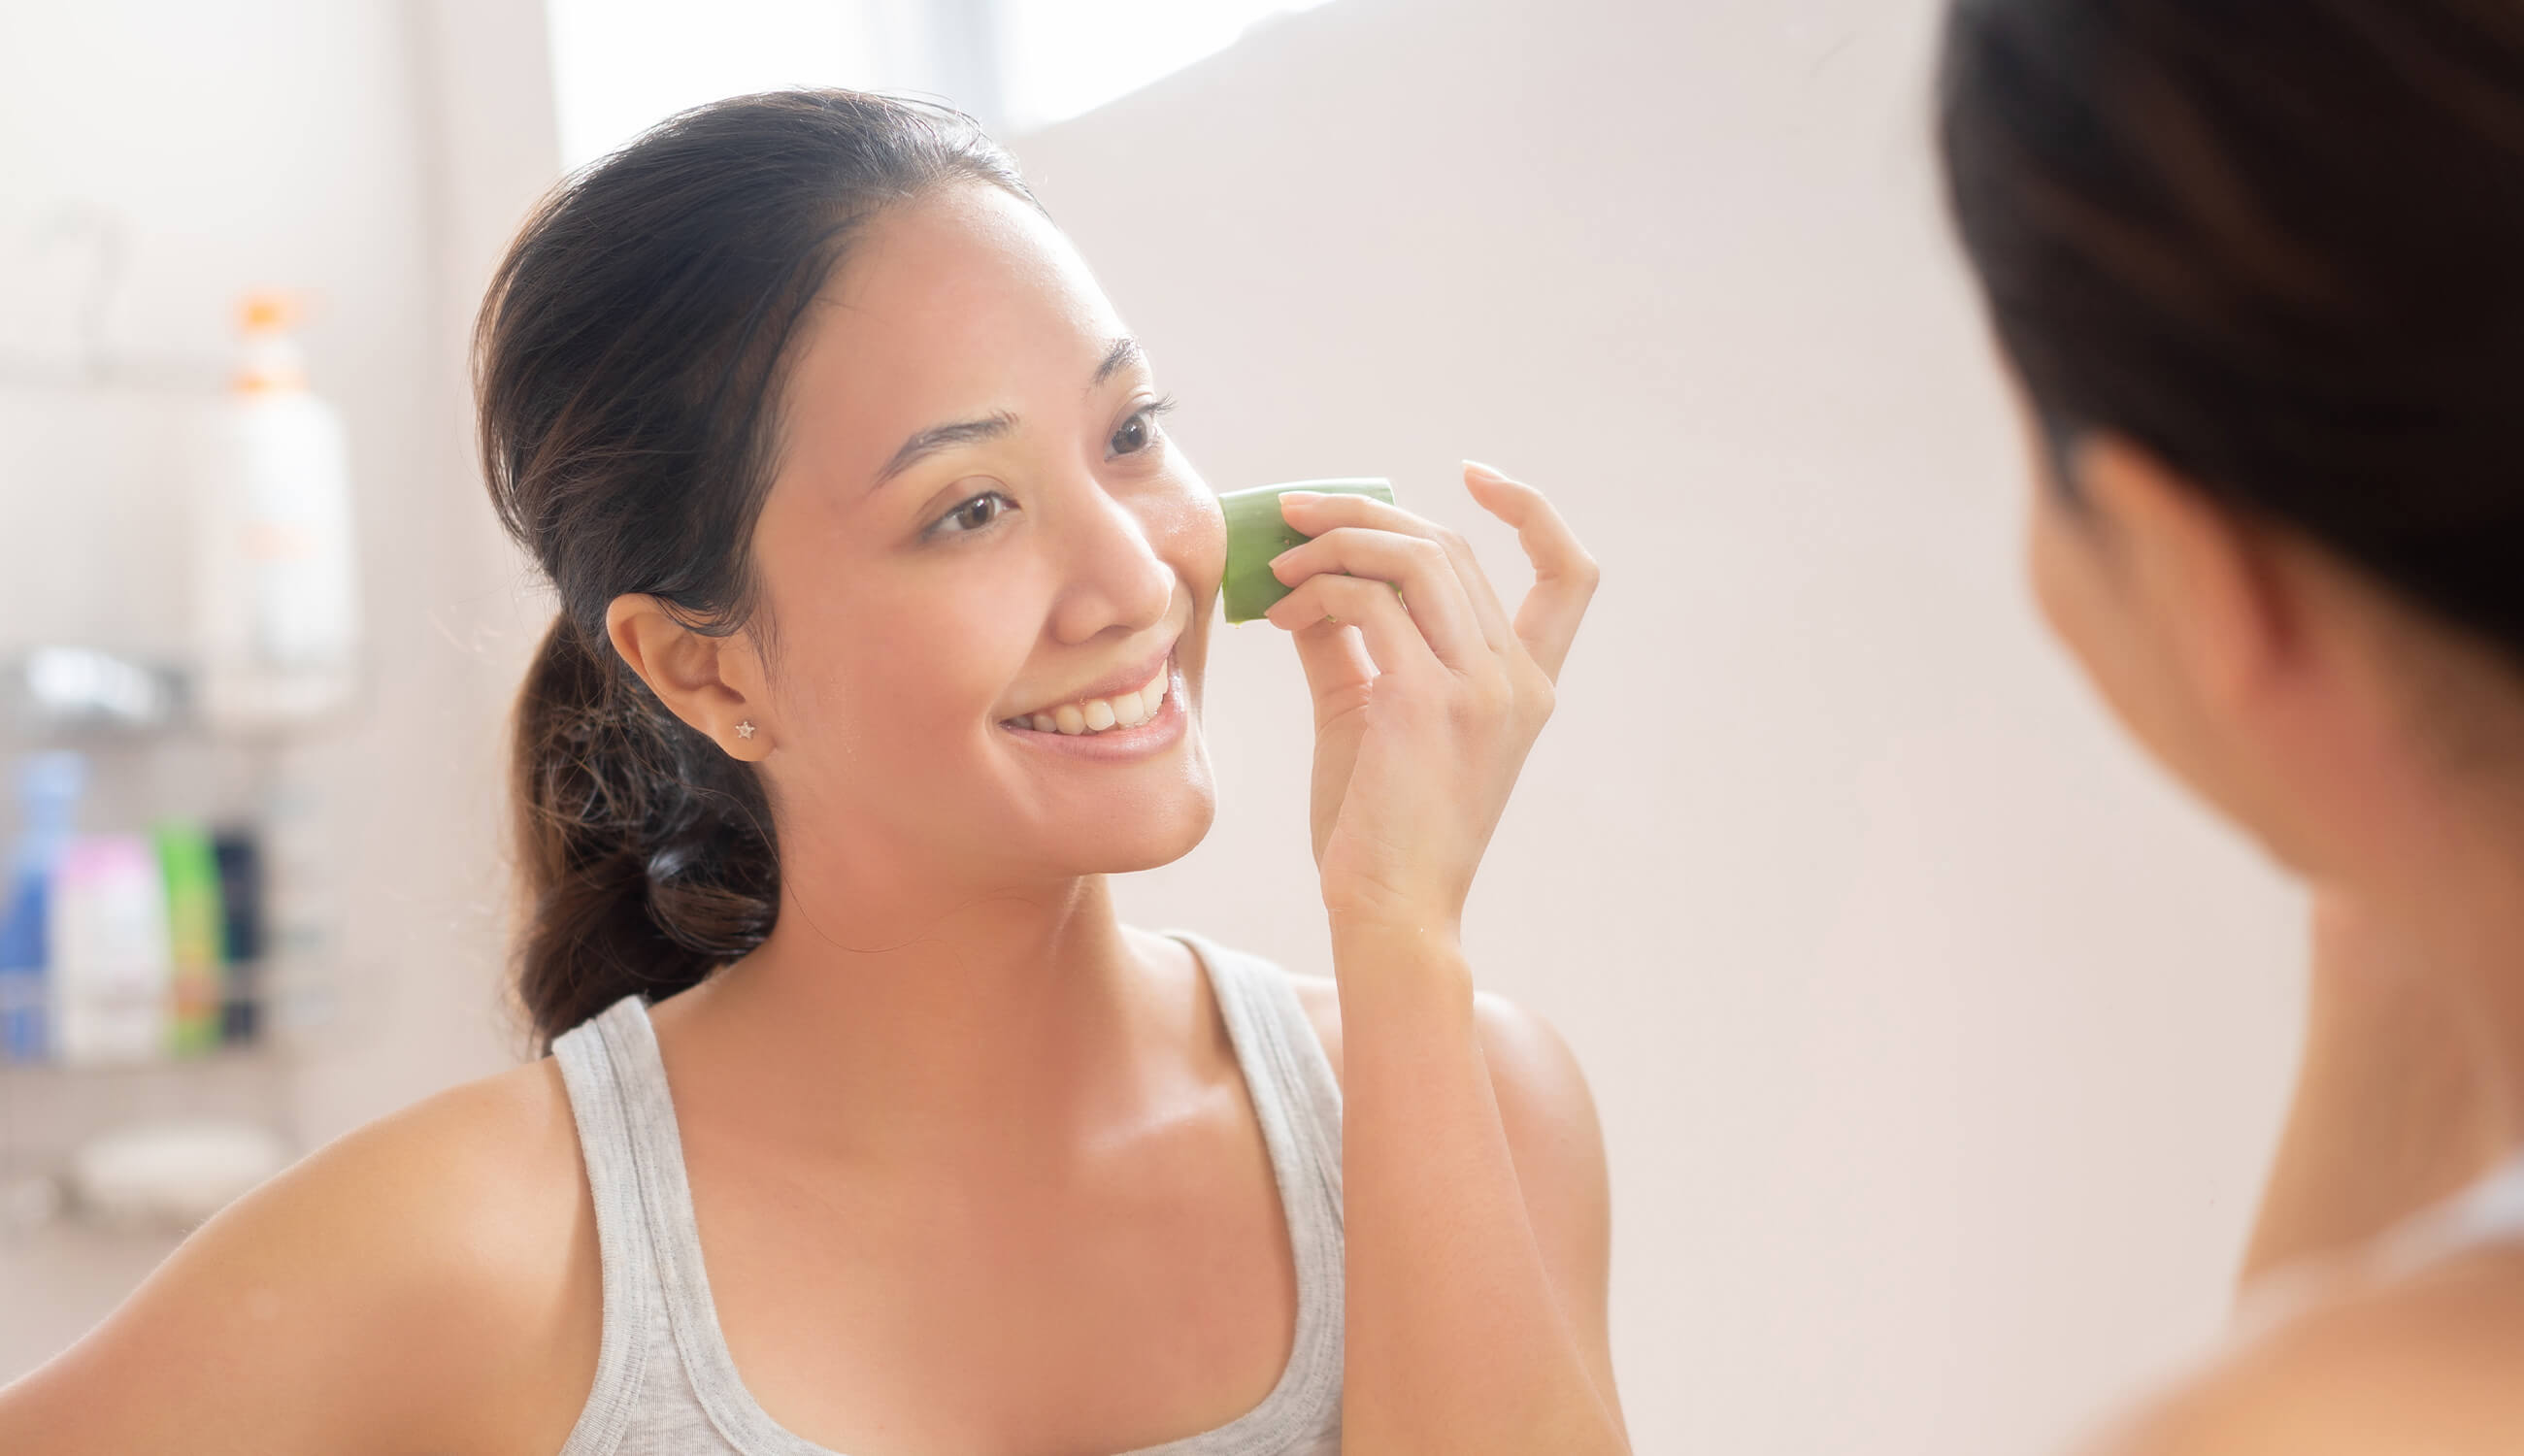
{"x":1938,"y":1043}
{"x":373,"y":153}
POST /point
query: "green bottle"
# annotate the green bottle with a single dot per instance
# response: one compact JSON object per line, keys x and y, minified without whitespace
{"x":195,"y":933}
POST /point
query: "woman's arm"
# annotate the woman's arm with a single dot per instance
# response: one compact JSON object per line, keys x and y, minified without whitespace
{"x":2389,"y":1112}
{"x":1474,"y":1215}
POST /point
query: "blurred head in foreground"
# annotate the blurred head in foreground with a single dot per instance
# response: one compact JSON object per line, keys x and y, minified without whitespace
{"x":2260,"y":270}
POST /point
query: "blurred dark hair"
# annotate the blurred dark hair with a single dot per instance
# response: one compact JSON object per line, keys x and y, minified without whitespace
{"x":628,"y":365}
{"x":2280,"y":246}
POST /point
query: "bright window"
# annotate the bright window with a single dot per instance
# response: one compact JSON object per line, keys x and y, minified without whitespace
{"x":1060,"y":58}
{"x":619,"y":65}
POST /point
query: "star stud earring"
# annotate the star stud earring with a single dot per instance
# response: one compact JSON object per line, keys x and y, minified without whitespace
{"x":745,"y":729}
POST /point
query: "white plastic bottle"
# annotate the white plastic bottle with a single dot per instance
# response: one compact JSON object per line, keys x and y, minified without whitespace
{"x":110,"y":965}
{"x":276,"y":577}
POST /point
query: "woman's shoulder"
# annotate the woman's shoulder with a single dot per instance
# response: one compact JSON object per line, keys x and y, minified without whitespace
{"x":1553,"y":1131}
{"x":1531,"y":1066}
{"x":426,"y":1282}
{"x":2425,"y":1362}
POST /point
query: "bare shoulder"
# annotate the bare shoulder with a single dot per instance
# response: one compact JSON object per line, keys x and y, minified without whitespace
{"x":1556,"y":1143}
{"x":1542,"y":1093}
{"x":1553,"y":1133}
{"x":427,"y":1282}
{"x":2422,"y":1364}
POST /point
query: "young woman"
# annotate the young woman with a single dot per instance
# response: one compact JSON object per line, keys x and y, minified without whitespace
{"x":2259,"y":270}
{"x":869,"y":1128}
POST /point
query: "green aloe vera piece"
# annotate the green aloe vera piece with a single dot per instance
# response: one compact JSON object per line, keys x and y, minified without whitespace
{"x":1256,"y":532}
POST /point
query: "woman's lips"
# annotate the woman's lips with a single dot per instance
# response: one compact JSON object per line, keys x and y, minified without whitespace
{"x":1116,"y":744}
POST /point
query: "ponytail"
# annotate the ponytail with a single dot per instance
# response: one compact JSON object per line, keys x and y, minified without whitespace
{"x":645,"y":851}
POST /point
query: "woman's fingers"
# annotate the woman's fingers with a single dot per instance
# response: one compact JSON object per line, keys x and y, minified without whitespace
{"x":1420,"y":565}
{"x":1564,"y":574}
{"x":1394,"y":642}
{"x":1317,"y":514}
{"x":1340,"y":673}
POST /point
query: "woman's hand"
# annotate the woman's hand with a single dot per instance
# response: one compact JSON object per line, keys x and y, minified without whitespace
{"x":1424,"y":712}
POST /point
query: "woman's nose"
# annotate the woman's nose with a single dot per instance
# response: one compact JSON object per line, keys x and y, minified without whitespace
{"x":1118,"y":575}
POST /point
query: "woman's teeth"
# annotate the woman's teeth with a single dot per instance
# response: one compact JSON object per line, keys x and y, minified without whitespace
{"x":1095,"y":715}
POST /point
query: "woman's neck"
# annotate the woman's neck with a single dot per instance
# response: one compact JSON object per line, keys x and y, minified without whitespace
{"x":2465,"y":937}
{"x":991,"y":1023}
{"x":2411,"y":1080}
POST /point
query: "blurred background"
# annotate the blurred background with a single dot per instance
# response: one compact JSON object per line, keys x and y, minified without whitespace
{"x":1939,"y":1044}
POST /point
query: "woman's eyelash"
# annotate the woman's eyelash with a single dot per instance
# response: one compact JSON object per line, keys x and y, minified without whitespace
{"x":1145,"y":419}
{"x":939,"y":526}
{"x":1150,"y":410}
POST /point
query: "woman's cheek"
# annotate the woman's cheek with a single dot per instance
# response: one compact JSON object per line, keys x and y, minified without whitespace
{"x":1197,"y":539}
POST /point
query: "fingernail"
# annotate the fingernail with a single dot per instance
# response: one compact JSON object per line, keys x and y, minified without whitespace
{"x":1299,"y":497}
{"x":1486,"y":472}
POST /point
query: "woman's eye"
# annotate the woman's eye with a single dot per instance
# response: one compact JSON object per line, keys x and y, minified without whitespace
{"x":974,"y":513}
{"x":1142,"y":429}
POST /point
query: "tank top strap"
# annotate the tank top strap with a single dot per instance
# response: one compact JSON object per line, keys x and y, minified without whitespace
{"x":2489,"y":1211}
{"x":1283,"y":1058}
{"x":627,"y":1258}
{"x":1298,"y":1101}
{"x":660,"y":1198}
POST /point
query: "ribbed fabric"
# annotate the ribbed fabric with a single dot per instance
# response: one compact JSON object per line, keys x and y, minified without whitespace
{"x":665,"y":1384}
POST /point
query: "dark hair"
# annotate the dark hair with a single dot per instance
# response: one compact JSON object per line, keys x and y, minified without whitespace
{"x":2281,"y":247}
{"x":628,"y":364}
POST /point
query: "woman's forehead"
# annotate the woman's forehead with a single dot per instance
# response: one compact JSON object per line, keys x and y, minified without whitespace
{"x":956,"y":279}
{"x":962,"y":304}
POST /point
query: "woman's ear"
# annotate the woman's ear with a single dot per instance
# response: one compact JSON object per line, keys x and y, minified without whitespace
{"x":2206,"y":581}
{"x":713,"y":683}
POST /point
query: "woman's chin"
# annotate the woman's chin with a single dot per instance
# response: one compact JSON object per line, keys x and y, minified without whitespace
{"x":1153,"y":837}
{"x":1168,"y":839}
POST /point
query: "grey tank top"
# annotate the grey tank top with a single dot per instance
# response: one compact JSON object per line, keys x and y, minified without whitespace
{"x":665,"y":1384}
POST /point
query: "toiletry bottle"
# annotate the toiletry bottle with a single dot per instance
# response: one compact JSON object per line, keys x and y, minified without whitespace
{"x":275,"y":581}
{"x":239,"y":857}
{"x":110,"y":965}
{"x":194,"y":932}
{"x":48,"y":793}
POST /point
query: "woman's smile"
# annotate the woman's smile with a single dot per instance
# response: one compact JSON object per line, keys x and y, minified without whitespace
{"x":1136,"y":724}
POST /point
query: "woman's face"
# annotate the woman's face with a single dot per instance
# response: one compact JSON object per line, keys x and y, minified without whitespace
{"x":976,"y":521}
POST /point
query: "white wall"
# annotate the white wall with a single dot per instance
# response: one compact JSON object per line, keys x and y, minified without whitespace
{"x":1938,"y":1043}
{"x":302,"y":143}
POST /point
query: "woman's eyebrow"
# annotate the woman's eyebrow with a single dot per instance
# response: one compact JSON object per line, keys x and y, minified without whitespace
{"x":1126,"y":351}
{"x":940,"y":436}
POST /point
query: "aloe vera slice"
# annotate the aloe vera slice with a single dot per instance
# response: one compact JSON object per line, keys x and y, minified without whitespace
{"x":1256,"y":532}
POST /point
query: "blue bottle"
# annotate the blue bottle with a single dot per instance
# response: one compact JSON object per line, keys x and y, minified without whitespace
{"x":48,"y":794}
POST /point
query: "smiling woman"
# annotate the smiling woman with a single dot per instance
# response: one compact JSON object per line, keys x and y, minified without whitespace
{"x":868,"y":1126}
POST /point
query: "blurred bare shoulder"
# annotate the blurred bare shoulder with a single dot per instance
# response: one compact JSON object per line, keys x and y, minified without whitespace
{"x":429,"y":1281}
{"x":2424,"y":1364}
